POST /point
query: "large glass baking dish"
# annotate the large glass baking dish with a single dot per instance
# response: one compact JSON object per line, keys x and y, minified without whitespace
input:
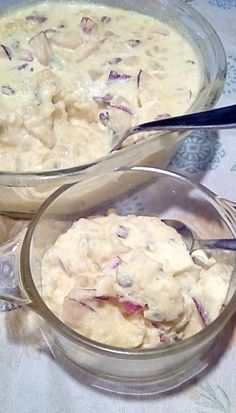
{"x":23,"y":193}
{"x":142,"y":191}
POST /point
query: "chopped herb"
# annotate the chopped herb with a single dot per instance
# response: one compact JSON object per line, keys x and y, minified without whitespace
{"x":163,"y":116}
{"x":37,"y":97}
{"x":15,"y":44}
{"x":176,"y":339}
{"x":122,"y":231}
{"x":7,"y":90}
{"x":61,"y":25}
{"x":114,"y":61}
{"x":36,"y":18}
{"x":106,"y":19}
{"x":104,"y":118}
{"x":133,"y":42}
{"x":124,"y":280}
{"x":25,"y":55}
{"x":21,"y":67}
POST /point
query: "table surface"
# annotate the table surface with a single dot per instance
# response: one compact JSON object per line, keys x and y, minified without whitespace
{"x":32,"y":381}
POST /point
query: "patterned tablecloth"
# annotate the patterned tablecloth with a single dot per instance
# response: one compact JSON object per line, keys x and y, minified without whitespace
{"x":32,"y":381}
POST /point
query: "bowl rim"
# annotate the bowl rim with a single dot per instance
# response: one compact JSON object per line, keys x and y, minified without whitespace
{"x":38,"y":305}
{"x":20,"y":179}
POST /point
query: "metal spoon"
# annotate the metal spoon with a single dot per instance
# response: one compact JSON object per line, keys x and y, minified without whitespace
{"x":222,"y":118}
{"x":193,"y":243}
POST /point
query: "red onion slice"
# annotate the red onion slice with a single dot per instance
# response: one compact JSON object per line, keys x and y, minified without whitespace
{"x":86,"y":305}
{"x":7,"y":51}
{"x":129,"y":307}
{"x":118,"y":76}
{"x":202,"y":312}
{"x":62,"y":265}
{"x":103,"y":99}
{"x":87,"y":25}
{"x":139,"y":78}
{"x":122,"y":107}
{"x":156,"y":324}
{"x":103,"y":298}
{"x":116,"y":262}
{"x":42,"y":48}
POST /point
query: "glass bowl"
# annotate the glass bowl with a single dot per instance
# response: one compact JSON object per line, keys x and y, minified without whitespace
{"x":142,"y":191}
{"x":23,"y":193}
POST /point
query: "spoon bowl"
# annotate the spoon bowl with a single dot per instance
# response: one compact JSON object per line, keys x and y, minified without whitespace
{"x":193,"y":243}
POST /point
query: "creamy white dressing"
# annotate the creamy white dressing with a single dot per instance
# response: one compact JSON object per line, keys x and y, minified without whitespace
{"x":70,"y":78}
{"x":129,"y":281}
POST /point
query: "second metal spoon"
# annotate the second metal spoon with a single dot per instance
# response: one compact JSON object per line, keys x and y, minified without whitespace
{"x":222,"y":118}
{"x":192,"y":243}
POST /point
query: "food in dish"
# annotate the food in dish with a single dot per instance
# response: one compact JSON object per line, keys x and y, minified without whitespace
{"x":130,"y":281}
{"x":70,"y":79}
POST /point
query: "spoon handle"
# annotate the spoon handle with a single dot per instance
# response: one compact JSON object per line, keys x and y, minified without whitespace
{"x":222,"y":118}
{"x":225,"y":244}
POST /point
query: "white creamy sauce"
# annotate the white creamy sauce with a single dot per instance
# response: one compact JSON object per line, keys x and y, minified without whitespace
{"x":129,"y":281}
{"x":72,"y":74}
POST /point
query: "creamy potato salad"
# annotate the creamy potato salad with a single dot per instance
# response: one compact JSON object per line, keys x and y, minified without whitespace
{"x":129,"y":281}
{"x":73,"y":74}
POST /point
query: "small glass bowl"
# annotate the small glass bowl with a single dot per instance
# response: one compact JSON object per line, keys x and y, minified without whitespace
{"x":23,"y":193}
{"x":142,"y":191}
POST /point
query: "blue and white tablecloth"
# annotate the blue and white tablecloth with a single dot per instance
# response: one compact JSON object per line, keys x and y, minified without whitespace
{"x":31,"y":381}
{"x":203,"y":157}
